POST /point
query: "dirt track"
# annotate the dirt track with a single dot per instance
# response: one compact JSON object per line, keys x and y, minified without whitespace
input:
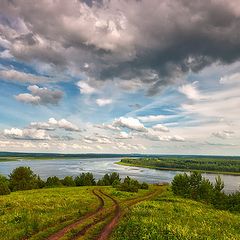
{"x":63,"y":231}
{"x":99,"y":216}
{"x":107,"y":230}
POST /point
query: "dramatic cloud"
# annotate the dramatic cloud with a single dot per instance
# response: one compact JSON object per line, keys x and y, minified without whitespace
{"x":223,"y":134}
{"x":14,"y":75}
{"x":152,"y":118}
{"x":85,"y":88}
{"x":40,"y":96}
{"x":124,"y":135}
{"x":30,"y":134}
{"x":130,"y":123}
{"x":190,"y":91}
{"x":231,"y":79}
{"x":53,"y":124}
{"x":154,"y":42}
{"x":155,"y":136}
{"x":161,"y":128}
{"x":103,"y":101}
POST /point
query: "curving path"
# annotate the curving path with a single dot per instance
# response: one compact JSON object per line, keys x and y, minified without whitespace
{"x":63,"y":231}
{"x":99,"y":215}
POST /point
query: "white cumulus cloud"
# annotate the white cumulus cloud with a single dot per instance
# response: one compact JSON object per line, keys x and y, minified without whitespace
{"x":130,"y":123}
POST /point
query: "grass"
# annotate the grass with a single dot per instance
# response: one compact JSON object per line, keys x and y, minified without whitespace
{"x":170,"y":217}
{"x":24,"y":213}
{"x":35,"y":214}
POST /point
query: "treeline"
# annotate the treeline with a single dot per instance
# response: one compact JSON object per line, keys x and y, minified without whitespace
{"x":205,"y":163}
{"x":23,"y":178}
{"x":196,"y":187}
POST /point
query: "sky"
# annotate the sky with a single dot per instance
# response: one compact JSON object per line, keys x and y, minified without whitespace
{"x":120,"y":76}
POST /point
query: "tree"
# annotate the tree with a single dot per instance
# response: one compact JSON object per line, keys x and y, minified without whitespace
{"x":195,"y":181}
{"x":85,"y":179}
{"x":23,"y":178}
{"x":129,"y":185}
{"x":53,"y":182}
{"x":220,"y":198}
{"x":116,"y":183}
{"x":4,"y":186}
{"x":114,"y":177}
{"x":68,"y":181}
{"x":144,"y":185}
{"x":181,"y":185}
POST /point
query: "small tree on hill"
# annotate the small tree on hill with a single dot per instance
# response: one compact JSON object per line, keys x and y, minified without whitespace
{"x":23,"y":178}
{"x":68,"y":181}
{"x":53,"y":182}
{"x":85,"y":179}
{"x":129,"y":185}
{"x":4,"y":186}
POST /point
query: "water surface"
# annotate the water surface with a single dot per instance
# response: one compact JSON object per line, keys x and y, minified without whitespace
{"x":101,"y":166}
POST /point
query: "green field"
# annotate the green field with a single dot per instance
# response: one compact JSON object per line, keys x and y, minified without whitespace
{"x":170,"y":217}
{"x":36,"y":214}
{"x":24,"y":213}
{"x":157,"y":214}
{"x":223,"y":165}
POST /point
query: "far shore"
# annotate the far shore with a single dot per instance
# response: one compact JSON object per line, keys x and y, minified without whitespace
{"x":178,"y":169}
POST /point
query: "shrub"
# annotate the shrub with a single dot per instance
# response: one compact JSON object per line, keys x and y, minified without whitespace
{"x":129,"y":185}
{"x":198,"y":188}
{"x":85,"y":179}
{"x":108,"y":179}
{"x":53,"y":182}
{"x":116,"y":183}
{"x":144,"y":185}
{"x":68,"y":181}
{"x":4,"y":186}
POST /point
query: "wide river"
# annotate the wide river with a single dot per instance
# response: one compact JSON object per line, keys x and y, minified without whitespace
{"x":101,"y":166}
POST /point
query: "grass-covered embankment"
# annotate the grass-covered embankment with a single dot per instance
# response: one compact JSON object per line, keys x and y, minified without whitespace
{"x":171,"y":217}
{"x":223,"y":165}
{"x":36,"y":214}
{"x":24,"y":213}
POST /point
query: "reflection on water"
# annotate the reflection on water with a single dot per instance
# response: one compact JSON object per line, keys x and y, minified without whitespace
{"x":98,"y":166}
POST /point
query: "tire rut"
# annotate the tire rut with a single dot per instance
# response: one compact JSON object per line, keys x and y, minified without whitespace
{"x":66,"y":229}
{"x":107,"y":230}
{"x":96,"y":221}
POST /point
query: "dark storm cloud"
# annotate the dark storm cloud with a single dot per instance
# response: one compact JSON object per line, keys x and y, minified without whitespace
{"x":156,"y":41}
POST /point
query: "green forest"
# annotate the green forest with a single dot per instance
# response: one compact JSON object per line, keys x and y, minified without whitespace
{"x":201,"y":163}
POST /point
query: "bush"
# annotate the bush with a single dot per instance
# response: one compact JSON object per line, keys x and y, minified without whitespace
{"x":109,"y":179}
{"x":198,"y":188}
{"x":129,"y":185}
{"x":116,"y":183}
{"x":53,"y":182}
{"x":23,"y":178}
{"x":85,"y":179}
{"x":4,"y":186}
{"x":144,"y":185}
{"x":68,"y":181}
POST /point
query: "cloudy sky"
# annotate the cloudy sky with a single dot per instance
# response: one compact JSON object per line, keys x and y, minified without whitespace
{"x":120,"y":76}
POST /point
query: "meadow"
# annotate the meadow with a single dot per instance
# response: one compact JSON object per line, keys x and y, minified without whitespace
{"x":36,"y":214}
{"x":23,"y":213}
{"x":170,"y":217}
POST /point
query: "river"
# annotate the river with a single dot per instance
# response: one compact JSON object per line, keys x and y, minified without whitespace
{"x":101,"y":166}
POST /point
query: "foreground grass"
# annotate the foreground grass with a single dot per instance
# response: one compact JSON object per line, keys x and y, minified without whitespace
{"x":24,"y":213}
{"x":170,"y":217}
{"x":35,"y":214}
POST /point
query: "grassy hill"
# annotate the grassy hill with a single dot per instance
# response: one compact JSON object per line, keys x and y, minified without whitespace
{"x":36,"y":214}
{"x":84,"y":213}
{"x":171,"y":217}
